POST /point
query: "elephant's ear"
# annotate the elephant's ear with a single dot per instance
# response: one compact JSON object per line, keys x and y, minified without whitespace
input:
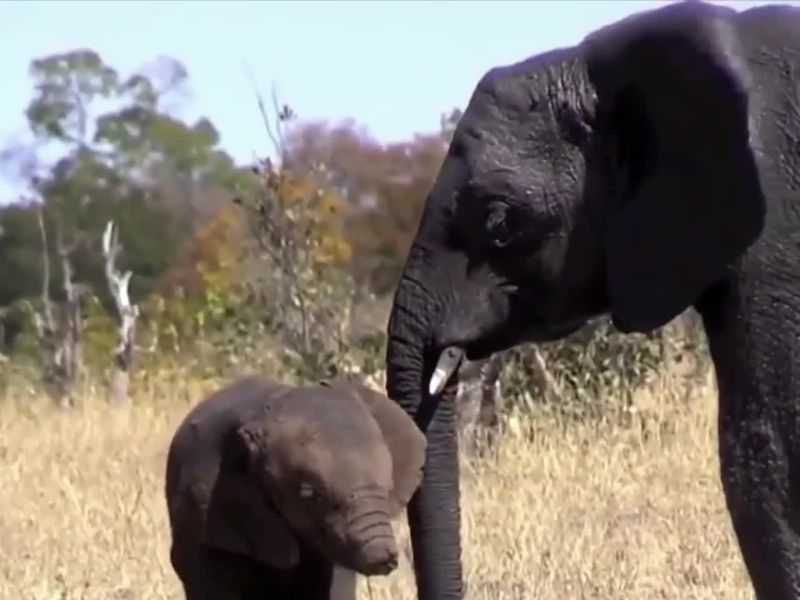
{"x":405,"y":441}
{"x":673,"y":91}
{"x":241,"y":517}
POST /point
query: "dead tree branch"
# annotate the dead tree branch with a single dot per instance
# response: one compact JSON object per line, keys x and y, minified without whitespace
{"x":126,"y":312}
{"x":552,"y":389}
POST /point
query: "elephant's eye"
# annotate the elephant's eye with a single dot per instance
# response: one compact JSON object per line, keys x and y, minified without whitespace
{"x":497,"y":225}
{"x":306,"y":491}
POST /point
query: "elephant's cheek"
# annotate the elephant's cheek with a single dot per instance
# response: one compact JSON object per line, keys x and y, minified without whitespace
{"x":314,"y":530}
{"x":329,"y":537}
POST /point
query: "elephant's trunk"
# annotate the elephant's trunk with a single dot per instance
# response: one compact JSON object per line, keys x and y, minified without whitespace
{"x":433,"y":512}
{"x":370,"y":535}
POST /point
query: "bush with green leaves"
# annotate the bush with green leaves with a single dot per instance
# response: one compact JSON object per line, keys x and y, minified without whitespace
{"x":596,"y":371}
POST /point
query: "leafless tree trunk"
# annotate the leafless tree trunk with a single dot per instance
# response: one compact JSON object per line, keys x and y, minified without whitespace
{"x":127,"y":313}
{"x":72,"y":323}
{"x":479,"y":400}
{"x":59,"y":342}
{"x":4,"y":345}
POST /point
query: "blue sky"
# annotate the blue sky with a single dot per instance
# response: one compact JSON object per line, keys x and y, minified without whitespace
{"x":393,"y":66}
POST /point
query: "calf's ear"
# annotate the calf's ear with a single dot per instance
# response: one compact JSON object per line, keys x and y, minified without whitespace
{"x":241,"y":517}
{"x":405,"y":441}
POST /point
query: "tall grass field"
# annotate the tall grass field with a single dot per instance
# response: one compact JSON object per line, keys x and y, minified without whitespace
{"x":554,"y":510}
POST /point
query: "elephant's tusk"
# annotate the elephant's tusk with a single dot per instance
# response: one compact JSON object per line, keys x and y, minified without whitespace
{"x":449,"y":360}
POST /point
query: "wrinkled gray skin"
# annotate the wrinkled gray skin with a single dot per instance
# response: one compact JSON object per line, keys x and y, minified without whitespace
{"x":275,"y":491}
{"x":652,"y":168}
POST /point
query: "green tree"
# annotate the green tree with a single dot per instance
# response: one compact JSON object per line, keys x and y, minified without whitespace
{"x":66,"y":85}
{"x":121,"y":157}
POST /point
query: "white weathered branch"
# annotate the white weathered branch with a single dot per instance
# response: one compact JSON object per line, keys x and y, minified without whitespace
{"x":118,"y":282}
{"x":46,"y":306}
{"x":552,"y":389}
{"x":127,"y":312}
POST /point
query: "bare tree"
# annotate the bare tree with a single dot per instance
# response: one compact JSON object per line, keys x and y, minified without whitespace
{"x":126,"y":312}
{"x":59,"y":339}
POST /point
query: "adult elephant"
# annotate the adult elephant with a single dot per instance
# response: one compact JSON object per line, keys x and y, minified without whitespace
{"x":652,"y":168}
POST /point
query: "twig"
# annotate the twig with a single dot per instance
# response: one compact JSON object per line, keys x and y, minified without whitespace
{"x":279,"y":127}
{"x":260,"y":100}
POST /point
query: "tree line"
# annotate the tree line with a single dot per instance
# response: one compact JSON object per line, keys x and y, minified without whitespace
{"x":143,"y":238}
{"x":168,"y":186}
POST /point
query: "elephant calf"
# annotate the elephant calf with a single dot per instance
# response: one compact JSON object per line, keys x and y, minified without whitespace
{"x":276,"y":491}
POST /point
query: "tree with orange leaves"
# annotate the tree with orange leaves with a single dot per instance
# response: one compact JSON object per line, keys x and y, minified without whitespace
{"x":384,"y":185}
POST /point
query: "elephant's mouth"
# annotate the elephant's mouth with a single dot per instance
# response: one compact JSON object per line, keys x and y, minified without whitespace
{"x":363,"y":541}
{"x":383,"y":566}
{"x":536,"y":331}
{"x":451,"y":356}
{"x":524,"y":315}
{"x":376,"y":555}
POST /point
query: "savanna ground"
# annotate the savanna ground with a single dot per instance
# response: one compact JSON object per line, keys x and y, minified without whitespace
{"x":556,"y":510}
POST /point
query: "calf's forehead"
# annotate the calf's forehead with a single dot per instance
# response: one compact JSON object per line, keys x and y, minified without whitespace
{"x":342,"y":457}
{"x":328,"y":421}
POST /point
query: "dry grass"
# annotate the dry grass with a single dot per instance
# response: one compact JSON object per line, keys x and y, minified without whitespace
{"x":578,"y":511}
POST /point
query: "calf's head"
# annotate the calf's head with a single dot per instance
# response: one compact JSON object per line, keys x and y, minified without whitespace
{"x":338,"y":462}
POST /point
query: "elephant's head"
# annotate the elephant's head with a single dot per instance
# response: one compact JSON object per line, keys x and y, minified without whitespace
{"x":336,"y":462}
{"x":615,"y":177}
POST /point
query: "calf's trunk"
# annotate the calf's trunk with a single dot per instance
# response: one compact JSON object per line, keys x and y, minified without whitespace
{"x":371,"y":537}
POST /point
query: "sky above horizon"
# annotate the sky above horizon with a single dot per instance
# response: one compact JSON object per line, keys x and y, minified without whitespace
{"x":392,"y":66}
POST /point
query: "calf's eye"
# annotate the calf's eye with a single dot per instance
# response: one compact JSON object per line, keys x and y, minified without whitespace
{"x":306,"y":491}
